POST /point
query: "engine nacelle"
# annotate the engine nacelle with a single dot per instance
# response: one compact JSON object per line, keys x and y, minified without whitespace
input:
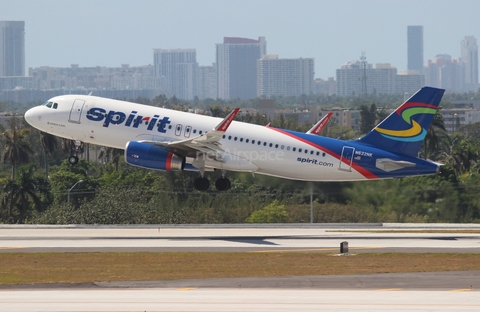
{"x":150,"y":156}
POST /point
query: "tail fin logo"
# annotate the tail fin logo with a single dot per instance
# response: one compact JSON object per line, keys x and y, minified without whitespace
{"x":415,"y":133}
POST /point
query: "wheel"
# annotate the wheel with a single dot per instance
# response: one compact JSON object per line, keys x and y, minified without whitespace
{"x":201,"y":184}
{"x":222,"y":184}
{"x":73,"y":160}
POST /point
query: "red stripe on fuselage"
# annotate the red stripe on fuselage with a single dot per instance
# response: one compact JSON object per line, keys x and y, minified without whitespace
{"x":367,"y":174}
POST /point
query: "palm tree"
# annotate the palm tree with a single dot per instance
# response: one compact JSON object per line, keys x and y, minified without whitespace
{"x":49,"y":144}
{"x":111,"y":154}
{"x":17,"y":149}
{"x":23,"y":194}
{"x":431,"y":141}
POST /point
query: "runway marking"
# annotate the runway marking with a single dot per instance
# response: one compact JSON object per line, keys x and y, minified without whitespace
{"x":185,"y":288}
{"x":461,"y":289}
{"x":316,"y":249}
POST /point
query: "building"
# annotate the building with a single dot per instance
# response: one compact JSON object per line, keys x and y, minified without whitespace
{"x":44,"y":82}
{"x":12,"y":48}
{"x":179,"y":70}
{"x":350,"y":77}
{"x":415,"y":48}
{"x":100,"y":78}
{"x":284,"y":77}
{"x":455,"y":118}
{"x":328,"y":87}
{"x":207,"y":82}
{"x":236,"y":60}
{"x":15,"y":82}
{"x":408,"y":82}
{"x":346,"y":118}
{"x":381,"y":79}
{"x":445,"y":72}
{"x":469,"y":59}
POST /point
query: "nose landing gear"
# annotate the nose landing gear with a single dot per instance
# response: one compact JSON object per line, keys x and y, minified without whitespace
{"x":73,"y":160}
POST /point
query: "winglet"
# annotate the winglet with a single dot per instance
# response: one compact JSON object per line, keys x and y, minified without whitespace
{"x":223,"y":126}
{"x":318,"y":127}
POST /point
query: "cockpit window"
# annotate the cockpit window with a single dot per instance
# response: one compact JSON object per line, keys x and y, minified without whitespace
{"x":50,"y":104}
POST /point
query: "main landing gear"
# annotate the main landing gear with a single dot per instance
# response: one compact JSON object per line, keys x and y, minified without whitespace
{"x":201,"y":184}
{"x":221,"y":184}
{"x":73,"y":160}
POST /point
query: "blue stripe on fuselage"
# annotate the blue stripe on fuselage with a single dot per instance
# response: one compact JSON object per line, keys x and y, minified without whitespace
{"x":365,"y":157}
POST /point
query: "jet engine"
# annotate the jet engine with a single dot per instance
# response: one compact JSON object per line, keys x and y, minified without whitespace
{"x":150,"y":156}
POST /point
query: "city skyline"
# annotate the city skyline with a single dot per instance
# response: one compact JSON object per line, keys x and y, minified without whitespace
{"x":78,"y":33}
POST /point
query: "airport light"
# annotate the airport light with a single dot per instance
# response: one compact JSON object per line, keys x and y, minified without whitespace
{"x":68,"y":192}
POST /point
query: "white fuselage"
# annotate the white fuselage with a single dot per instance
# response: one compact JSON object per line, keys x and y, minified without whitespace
{"x":260,"y":149}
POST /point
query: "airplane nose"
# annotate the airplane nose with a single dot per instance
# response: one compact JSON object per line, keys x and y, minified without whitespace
{"x":30,"y":116}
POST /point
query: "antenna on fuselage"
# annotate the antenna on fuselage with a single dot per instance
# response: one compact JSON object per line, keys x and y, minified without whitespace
{"x":90,"y":93}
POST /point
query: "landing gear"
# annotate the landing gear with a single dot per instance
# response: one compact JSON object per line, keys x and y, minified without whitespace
{"x":222,"y":184}
{"x":201,"y":184}
{"x":73,"y":160}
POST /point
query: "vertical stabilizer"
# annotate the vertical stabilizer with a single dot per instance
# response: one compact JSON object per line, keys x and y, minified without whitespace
{"x":403,"y":131}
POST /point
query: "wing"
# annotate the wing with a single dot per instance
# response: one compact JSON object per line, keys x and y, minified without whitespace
{"x":207,"y":143}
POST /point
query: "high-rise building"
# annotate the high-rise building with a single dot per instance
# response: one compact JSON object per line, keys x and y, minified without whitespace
{"x":383,"y":79}
{"x":415,"y":48}
{"x":207,"y":82}
{"x":12,"y":48}
{"x":469,"y":58}
{"x":444,"y":72}
{"x":179,"y":68}
{"x":237,"y":67}
{"x":285,"y":77}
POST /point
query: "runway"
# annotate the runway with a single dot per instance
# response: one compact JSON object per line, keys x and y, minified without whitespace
{"x":445,"y":291}
{"x":240,"y":299}
{"x":162,"y":238}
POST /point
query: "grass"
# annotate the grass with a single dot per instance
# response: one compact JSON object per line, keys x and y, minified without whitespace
{"x":28,"y":268}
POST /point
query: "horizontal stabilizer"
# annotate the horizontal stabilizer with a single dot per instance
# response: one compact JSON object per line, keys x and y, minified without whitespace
{"x":388,"y":165}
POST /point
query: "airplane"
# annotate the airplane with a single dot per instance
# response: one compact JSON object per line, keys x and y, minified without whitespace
{"x":163,"y":139}
{"x":318,"y":127}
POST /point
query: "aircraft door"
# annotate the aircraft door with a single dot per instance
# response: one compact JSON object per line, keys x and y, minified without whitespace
{"x":188,"y":129}
{"x":76,"y":111}
{"x":346,"y":158}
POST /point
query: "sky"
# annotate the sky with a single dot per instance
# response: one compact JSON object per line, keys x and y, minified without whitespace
{"x":113,"y":32}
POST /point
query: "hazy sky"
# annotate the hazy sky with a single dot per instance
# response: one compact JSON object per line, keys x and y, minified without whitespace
{"x":114,"y":32}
